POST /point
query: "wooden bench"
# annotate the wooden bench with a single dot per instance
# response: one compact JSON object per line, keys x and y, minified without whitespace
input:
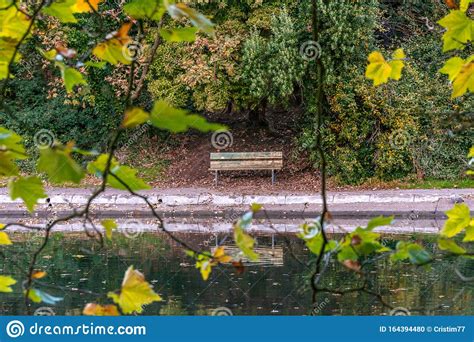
{"x":232,"y":161}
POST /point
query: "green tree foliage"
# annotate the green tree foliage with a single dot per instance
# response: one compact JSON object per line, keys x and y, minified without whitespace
{"x":271,"y":67}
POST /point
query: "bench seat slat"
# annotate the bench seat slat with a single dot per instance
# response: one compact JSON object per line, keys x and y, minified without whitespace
{"x":246,"y":164}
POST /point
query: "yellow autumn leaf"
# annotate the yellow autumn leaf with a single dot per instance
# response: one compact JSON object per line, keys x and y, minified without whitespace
{"x":5,"y":283}
{"x":82,"y":6}
{"x":115,"y":49}
{"x":38,"y":274}
{"x":380,"y":71}
{"x":461,"y":73}
{"x":245,"y":243}
{"x":135,"y":293}
{"x":13,"y":23}
{"x":109,"y":226}
{"x":219,"y":256}
{"x":464,"y":82}
{"x":134,"y":117}
{"x":93,"y":309}
{"x":5,"y":239}
{"x":205,"y":267}
{"x":459,"y":30}
{"x":464,"y":5}
{"x":397,"y":64}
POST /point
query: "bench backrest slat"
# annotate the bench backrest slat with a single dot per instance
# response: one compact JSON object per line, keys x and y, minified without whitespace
{"x":247,"y":161}
{"x":246,"y":155}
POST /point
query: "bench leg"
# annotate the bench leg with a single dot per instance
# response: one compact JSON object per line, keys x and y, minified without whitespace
{"x":273,"y":177}
{"x":215,"y":177}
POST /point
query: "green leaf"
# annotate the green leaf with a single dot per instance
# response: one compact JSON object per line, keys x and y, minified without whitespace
{"x":5,"y":283}
{"x":459,"y":218}
{"x":109,"y":226}
{"x":180,"y":10}
{"x":134,"y":117}
{"x":38,"y":296}
{"x":347,"y":253}
{"x":71,"y":78}
{"x":418,"y":255}
{"x":181,"y":34}
{"x":7,"y":165}
{"x":124,"y":173}
{"x":29,"y":189}
{"x":11,"y":144}
{"x":451,"y":246}
{"x":98,"y":65}
{"x":11,"y":149}
{"x":459,"y":30}
{"x":245,"y":243}
{"x":145,"y":9}
{"x":5,"y":239}
{"x":58,"y":164}
{"x":379,"y":221}
{"x":412,"y":251}
{"x":364,"y":242}
{"x":176,"y":120}
{"x":63,"y":10}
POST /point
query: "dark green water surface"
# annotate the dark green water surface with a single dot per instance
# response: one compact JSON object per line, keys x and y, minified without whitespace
{"x":277,"y":285}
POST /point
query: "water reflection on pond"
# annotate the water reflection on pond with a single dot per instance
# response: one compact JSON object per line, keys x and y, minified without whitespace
{"x":277,"y":285}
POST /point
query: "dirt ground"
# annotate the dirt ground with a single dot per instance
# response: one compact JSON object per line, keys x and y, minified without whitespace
{"x":188,"y":158}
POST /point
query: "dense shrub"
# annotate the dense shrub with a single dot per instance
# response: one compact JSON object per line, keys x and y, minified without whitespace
{"x":254,"y":64}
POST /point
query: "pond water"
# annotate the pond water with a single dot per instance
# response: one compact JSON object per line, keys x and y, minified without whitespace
{"x":276,"y":285}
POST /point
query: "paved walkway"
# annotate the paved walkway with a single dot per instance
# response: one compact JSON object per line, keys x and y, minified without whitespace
{"x":181,"y":202}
